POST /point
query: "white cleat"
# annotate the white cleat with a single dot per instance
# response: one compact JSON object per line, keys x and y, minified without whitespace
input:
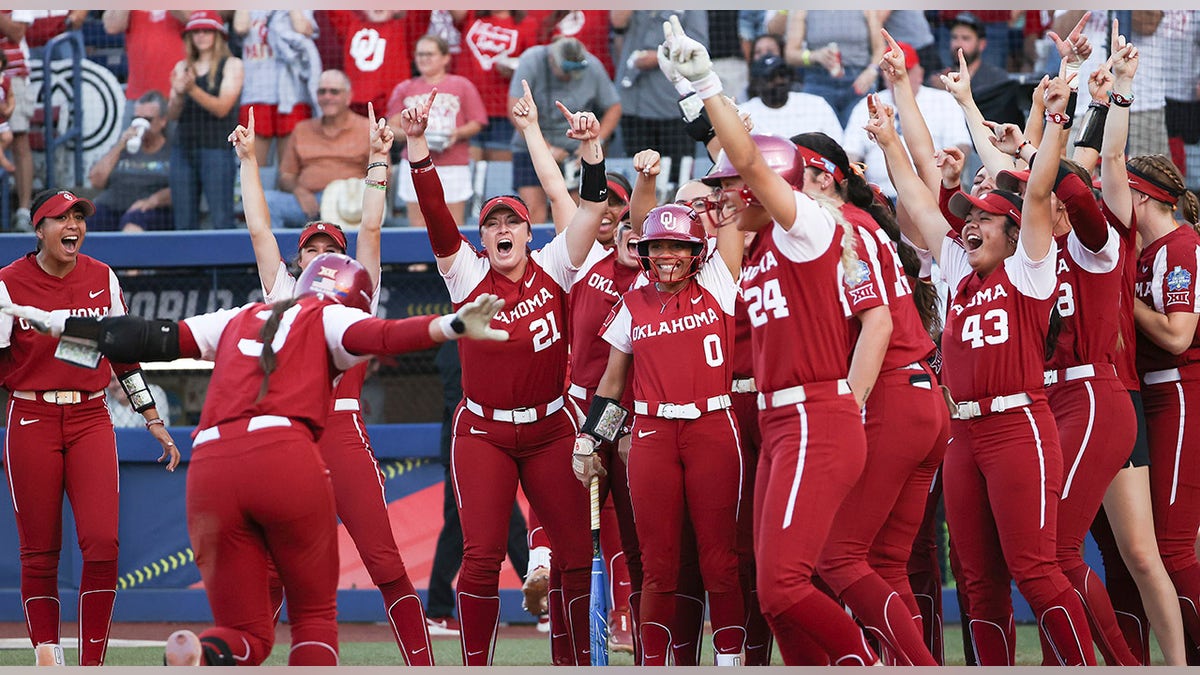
{"x":183,"y":649}
{"x":49,"y":654}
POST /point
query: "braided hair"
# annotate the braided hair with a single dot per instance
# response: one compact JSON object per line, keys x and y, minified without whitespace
{"x":855,"y":190}
{"x":1163,"y":171}
{"x":267,"y":335}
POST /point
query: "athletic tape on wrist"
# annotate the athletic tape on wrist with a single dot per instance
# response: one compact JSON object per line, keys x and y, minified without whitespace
{"x":707,"y":86}
{"x":452,"y":326}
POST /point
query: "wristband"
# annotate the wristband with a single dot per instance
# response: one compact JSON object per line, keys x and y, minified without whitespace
{"x":683,"y":87}
{"x":372,"y":165}
{"x":1058,"y":118}
{"x":707,"y":86}
{"x":377,"y":184}
{"x":1092,"y":134}
{"x":140,"y":398}
{"x":1021,"y":147}
{"x":701,"y":128}
{"x":1119,"y":100}
{"x":806,"y":58}
{"x":421,"y":163}
{"x":605,"y":419}
{"x":1072,"y":103}
{"x":452,"y":327}
{"x":156,"y":420}
{"x":593,"y":183}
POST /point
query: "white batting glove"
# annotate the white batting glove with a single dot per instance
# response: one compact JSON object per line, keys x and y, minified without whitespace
{"x":584,"y":461}
{"x":50,"y":323}
{"x":678,"y":81}
{"x":473,"y":320}
{"x":690,"y":59}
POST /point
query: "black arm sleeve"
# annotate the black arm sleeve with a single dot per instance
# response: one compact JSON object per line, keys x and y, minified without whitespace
{"x":128,"y":339}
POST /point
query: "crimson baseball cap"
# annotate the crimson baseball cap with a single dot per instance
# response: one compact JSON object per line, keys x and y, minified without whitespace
{"x":911,"y":60}
{"x":1011,"y":180}
{"x":206,"y":19}
{"x":1000,"y":202}
{"x":59,"y":203}
{"x":320,"y":227}
{"x":503,"y":202}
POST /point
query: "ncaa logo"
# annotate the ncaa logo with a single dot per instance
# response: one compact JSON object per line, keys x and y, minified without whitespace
{"x":668,"y":221}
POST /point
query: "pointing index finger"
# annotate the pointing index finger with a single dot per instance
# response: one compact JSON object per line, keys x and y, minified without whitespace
{"x":525,"y":86}
{"x":371,"y":113}
{"x":1078,"y":29}
{"x":676,"y":28}
{"x":564,"y":110}
{"x":962,"y":62}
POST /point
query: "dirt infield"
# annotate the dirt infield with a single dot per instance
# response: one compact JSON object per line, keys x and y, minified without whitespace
{"x":347,"y":632}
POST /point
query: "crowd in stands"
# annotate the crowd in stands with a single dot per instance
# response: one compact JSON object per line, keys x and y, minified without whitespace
{"x":310,"y":76}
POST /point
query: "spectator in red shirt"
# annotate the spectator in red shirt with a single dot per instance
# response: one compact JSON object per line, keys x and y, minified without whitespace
{"x":491,"y":44}
{"x":148,"y":35}
{"x":375,"y":54}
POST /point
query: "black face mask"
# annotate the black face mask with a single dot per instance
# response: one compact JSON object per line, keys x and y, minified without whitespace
{"x":775,"y":94}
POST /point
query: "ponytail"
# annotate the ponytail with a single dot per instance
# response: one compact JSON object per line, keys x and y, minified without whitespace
{"x":849,"y":256}
{"x":267,"y":336}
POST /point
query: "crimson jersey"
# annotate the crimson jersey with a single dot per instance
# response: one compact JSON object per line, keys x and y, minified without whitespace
{"x":308,"y":350}
{"x":487,"y":41}
{"x":995,"y":335}
{"x":531,"y":367}
{"x":791,"y":283}
{"x":1166,"y":280}
{"x":375,"y":55}
{"x":680,"y":342}
{"x":28,"y":363}
{"x":1089,"y":302}
{"x":743,"y":347}
{"x":602,"y":281}
{"x":882,"y":281}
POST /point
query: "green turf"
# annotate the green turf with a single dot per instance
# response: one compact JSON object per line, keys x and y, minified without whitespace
{"x":509,"y":652}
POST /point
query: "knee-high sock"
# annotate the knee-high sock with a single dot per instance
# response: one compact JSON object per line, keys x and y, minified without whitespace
{"x":407,"y":619}
{"x":885,"y":614}
{"x":1065,"y":625}
{"x":479,"y":619}
{"x":97,"y":593}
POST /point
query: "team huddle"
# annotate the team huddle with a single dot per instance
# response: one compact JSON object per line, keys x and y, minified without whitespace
{"x":759,"y":380}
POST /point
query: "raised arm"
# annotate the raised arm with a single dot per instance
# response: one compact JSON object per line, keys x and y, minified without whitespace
{"x":115,"y":21}
{"x":593,"y":184}
{"x":647,"y":164}
{"x":374,"y":204}
{"x":915,"y":131}
{"x":692,"y":61}
{"x":731,"y":246}
{"x":444,"y":237}
{"x":1037,"y":220}
{"x":549,"y":173}
{"x":254,"y":204}
{"x":929,"y":226}
{"x":1114,"y":178}
{"x":959,"y":85}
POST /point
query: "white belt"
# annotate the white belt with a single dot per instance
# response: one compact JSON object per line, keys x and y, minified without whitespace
{"x":972,"y":409}
{"x":800,"y":394}
{"x":59,"y":396}
{"x":518,"y":416}
{"x":344,"y":404}
{"x":255,"y":424}
{"x":683,"y":411}
{"x":578,"y":392}
{"x":1161,"y":376}
{"x":1067,"y":374}
{"x":744,"y":386}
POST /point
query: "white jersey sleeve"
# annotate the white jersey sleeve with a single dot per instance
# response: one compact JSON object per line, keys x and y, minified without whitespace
{"x":619,"y":332}
{"x":336,"y":319}
{"x":117,"y":308}
{"x":207,"y":328}
{"x":6,"y":320}
{"x":954,"y":263}
{"x":556,"y":260}
{"x":1096,"y":262}
{"x":811,"y":234}
{"x":595,"y":255}
{"x":1037,"y":279}
{"x":715,"y":278}
{"x":465,"y":274}
{"x":284,"y":287}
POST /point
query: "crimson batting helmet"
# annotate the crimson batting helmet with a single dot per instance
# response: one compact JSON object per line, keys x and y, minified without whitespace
{"x":781,"y":156}
{"x":336,"y":277}
{"x":671,"y":222}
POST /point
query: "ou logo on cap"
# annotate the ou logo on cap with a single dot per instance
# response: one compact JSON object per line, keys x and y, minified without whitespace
{"x":668,"y":220}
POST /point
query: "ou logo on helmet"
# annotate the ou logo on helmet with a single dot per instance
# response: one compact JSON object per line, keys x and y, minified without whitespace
{"x":668,"y":221}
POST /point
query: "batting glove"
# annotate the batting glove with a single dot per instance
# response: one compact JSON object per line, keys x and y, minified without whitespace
{"x":690,"y":58}
{"x":51,"y":323}
{"x":474,"y":319}
{"x":678,"y":81}
{"x":585,"y":462}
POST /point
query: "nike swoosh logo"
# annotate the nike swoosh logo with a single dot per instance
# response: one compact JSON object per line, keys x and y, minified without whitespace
{"x":529,"y":284}
{"x":95,"y":294}
{"x":558,"y":635}
{"x":475,"y":653}
{"x":478,"y":432}
{"x":643,"y":434}
{"x":624,"y":583}
{"x":95,"y":641}
{"x":417,"y":651}
{"x":25,"y":422}
{"x":696,"y":299}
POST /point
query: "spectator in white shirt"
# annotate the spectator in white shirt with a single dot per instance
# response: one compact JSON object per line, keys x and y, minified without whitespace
{"x":776,"y":109}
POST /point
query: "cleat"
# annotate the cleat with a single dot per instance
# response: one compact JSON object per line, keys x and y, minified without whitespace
{"x":620,"y":638}
{"x":536,"y":589}
{"x":49,"y":654}
{"x":183,"y":649}
{"x":442,"y":626}
{"x":543,"y":624}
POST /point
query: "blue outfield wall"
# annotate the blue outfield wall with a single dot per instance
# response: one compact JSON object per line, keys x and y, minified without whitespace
{"x":194,"y":272}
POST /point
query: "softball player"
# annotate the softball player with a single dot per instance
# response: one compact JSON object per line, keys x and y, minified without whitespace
{"x":866,"y":557}
{"x":1004,"y":464}
{"x":59,"y":436}
{"x":1082,"y":385}
{"x":684,"y":461}
{"x":791,"y":285}
{"x":345,"y":447}
{"x":512,"y":425}
{"x":272,"y":386}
